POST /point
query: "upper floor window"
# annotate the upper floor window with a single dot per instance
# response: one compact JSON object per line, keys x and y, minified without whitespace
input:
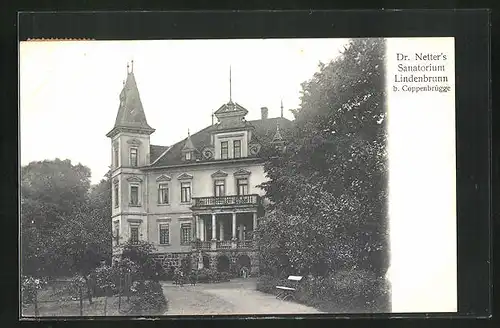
{"x":242,"y":186}
{"x":115,"y":150}
{"x":219,"y":188}
{"x":116,"y":229}
{"x":134,"y":235}
{"x":133,"y":157}
{"x":164,"y":234}
{"x":185,"y":233}
{"x":163,"y":193}
{"x":134,"y":195}
{"x":187,"y":156}
{"x":237,"y":148}
{"x":117,"y":195}
{"x":185,"y":192}
{"x":223,"y":150}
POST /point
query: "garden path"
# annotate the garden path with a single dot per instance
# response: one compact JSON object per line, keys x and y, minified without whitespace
{"x":235,"y":297}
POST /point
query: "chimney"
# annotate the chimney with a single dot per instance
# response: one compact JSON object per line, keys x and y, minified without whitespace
{"x":264,"y":111}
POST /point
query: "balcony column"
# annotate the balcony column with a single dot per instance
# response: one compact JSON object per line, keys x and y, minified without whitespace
{"x":201,"y":226}
{"x":234,"y":226}
{"x":221,"y":230}
{"x":214,"y":227}
{"x":196,"y":227}
{"x":240,"y":237}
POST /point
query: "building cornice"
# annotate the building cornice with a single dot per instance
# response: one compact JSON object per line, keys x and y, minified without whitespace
{"x":205,"y":163}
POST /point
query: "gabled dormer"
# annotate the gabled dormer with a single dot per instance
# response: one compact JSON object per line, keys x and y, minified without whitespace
{"x":189,"y":150}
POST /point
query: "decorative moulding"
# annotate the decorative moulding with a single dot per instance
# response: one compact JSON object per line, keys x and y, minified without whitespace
{"x":254,"y":148}
{"x":134,"y":179}
{"x":134,"y":221}
{"x":134,"y":141}
{"x":242,"y":172}
{"x":163,"y":178}
{"x":115,"y":180}
{"x":185,"y":176}
{"x":163,"y":220}
{"x":233,"y":135}
{"x":208,"y":152}
{"x":219,"y":174}
{"x":115,"y":144}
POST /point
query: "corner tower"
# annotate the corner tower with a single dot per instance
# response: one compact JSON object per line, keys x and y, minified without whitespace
{"x":130,"y":146}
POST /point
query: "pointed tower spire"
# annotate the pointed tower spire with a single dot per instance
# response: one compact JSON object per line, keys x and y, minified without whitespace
{"x":281,"y":107}
{"x":132,"y":66}
{"x":230,"y":86}
{"x":188,"y":145}
{"x":130,"y":113}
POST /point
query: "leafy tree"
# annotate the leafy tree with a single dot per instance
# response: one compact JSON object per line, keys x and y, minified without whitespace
{"x":329,"y":186}
{"x":65,"y":226}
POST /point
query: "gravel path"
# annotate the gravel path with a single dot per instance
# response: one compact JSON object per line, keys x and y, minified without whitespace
{"x":235,"y":297}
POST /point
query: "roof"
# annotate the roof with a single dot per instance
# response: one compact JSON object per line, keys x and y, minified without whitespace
{"x":264,"y":131}
{"x":155,"y":151}
{"x":131,"y":113}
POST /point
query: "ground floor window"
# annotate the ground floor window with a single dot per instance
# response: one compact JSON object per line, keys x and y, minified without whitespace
{"x":134,"y":235}
{"x":185,"y":233}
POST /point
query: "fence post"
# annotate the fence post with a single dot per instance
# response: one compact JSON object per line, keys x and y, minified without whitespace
{"x":36,"y":303}
{"x":81,"y":300}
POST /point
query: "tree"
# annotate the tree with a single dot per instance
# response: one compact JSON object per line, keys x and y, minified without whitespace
{"x":65,"y":224}
{"x":329,"y":186}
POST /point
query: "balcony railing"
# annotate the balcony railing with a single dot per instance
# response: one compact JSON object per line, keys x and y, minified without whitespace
{"x":227,"y":200}
{"x":223,"y":244}
{"x":245,"y":243}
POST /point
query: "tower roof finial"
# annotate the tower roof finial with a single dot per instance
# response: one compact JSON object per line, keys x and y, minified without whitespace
{"x":132,"y":66}
{"x":230,"y":86}
{"x":128,"y":68}
{"x":282,"y":107}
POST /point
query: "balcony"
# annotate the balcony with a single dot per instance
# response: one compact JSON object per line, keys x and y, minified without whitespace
{"x":227,"y":201}
{"x":224,"y":244}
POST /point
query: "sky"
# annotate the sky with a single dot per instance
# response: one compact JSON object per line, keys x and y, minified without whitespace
{"x":69,"y":90}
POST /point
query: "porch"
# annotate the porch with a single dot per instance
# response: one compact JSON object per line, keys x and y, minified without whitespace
{"x":233,"y":230}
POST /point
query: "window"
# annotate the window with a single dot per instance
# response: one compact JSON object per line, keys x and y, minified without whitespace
{"x":134,"y":195}
{"x":223,"y":149}
{"x":188,"y":156}
{"x":133,"y":157}
{"x":219,"y":188}
{"x":242,"y":186}
{"x":185,"y":233}
{"x":116,"y":234}
{"x":116,"y":156}
{"x":185,"y":192}
{"x":163,"y":193}
{"x":116,"y":195}
{"x":134,"y":235}
{"x":164,"y":234}
{"x":237,"y":148}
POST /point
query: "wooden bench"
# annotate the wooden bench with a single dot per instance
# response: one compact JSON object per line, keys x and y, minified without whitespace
{"x":286,"y":293}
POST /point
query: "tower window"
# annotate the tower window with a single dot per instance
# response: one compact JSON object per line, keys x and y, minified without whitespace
{"x":133,"y":157}
{"x":223,"y":149}
{"x":116,"y":156}
{"x":134,"y":235}
{"x":237,"y":148}
{"x":134,"y":195}
{"x":116,"y":195}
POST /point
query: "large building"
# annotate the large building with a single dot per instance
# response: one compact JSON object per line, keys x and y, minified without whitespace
{"x":197,"y":199}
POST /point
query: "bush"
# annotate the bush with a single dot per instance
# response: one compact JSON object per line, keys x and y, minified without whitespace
{"x":147,"y":298}
{"x":225,"y":276}
{"x":211,"y":276}
{"x":345,"y":291}
{"x":29,"y":286}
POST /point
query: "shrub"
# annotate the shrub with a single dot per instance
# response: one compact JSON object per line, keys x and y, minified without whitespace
{"x":344,"y":291}
{"x":225,"y":276}
{"x":29,"y":286}
{"x":147,"y":298}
